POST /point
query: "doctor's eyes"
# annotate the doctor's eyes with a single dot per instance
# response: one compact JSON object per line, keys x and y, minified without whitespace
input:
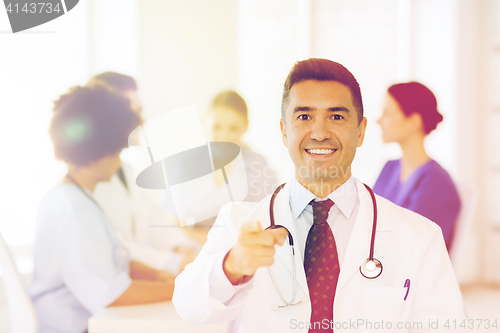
{"x":308,"y":117}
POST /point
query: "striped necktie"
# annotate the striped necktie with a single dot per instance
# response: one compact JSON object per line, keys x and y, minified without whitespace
{"x":321,"y":265}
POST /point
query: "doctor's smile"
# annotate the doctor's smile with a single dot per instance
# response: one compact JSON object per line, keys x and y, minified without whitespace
{"x":319,"y":151}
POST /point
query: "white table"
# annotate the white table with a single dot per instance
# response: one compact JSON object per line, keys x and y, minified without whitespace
{"x":147,"y":318}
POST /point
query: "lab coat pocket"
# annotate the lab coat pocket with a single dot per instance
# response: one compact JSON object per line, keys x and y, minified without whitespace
{"x":383,"y":304}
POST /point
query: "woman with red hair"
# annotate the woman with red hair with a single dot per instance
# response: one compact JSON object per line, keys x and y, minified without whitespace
{"x":416,"y":181}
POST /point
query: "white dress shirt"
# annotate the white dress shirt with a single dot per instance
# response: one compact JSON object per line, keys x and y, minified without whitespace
{"x":340,"y":218}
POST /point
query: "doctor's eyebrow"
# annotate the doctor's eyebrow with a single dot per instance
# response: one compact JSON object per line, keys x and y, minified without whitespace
{"x":309,"y":109}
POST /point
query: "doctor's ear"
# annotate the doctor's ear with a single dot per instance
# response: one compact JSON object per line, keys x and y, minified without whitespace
{"x":361,"y":131}
{"x":283,"y":133}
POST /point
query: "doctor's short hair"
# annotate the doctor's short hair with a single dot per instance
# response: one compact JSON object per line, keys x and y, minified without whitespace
{"x":90,"y":123}
{"x":118,"y":81}
{"x":322,"y":70}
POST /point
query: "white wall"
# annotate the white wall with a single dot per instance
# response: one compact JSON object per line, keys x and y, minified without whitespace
{"x":489,"y":142}
{"x":363,"y":36}
{"x":468,"y":129}
{"x":37,"y":66}
{"x":112,"y":36}
{"x":434,"y":63}
{"x":268,"y":46}
{"x":187,"y":52}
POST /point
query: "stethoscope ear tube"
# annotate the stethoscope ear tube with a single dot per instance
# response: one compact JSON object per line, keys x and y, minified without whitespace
{"x":271,"y":205}
{"x":374,"y":227}
{"x":290,"y":238}
{"x":292,"y":251}
{"x":271,"y":216}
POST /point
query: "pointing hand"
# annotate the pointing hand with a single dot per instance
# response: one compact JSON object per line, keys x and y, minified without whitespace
{"x":254,"y":249}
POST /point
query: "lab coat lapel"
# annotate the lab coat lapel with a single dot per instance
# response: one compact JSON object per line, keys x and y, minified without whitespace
{"x":358,"y":248}
{"x":283,"y":216}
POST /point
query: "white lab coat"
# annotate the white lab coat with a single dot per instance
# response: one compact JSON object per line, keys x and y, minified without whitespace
{"x":408,"y":245}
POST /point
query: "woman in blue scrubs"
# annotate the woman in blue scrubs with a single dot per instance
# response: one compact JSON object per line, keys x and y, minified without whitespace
{"x":416,"y":181}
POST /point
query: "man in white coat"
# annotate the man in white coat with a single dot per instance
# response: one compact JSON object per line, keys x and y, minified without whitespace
{"x":246,"y":275}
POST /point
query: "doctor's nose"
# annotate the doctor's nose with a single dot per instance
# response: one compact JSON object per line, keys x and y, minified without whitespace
{"x":320,"y":131}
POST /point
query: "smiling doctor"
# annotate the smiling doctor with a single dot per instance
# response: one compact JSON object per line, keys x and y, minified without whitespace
{"x":250,"y":276}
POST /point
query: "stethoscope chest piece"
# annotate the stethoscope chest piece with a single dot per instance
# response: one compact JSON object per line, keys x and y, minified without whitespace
{"x":371,"y":268}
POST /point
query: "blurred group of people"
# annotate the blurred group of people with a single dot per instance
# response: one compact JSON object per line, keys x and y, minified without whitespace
{"x":95,"y":246}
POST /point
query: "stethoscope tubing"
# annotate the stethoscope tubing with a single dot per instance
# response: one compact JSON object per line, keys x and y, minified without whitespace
{"x":374,"y":226}
{"x":292,"y":249}
{"x":364,"y":269}
{"x":373,"y":274}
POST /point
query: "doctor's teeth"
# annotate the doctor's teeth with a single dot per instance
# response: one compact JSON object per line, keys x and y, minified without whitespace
{"x":320,"y":151}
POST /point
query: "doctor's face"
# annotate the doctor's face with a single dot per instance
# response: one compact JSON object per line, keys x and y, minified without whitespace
{"x":321,"y":131}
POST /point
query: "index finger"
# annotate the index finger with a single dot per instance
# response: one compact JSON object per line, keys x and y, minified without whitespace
{"x":251,"y":227}
{"x":280,"y":235}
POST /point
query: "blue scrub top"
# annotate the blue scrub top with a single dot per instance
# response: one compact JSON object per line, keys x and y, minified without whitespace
{"x":428,"y":191}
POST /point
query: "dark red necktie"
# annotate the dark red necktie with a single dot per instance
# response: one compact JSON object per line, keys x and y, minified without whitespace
{"x":321,"y":265}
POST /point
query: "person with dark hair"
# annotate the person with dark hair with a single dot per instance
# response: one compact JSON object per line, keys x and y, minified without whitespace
{"x":125,"y":84}
{"x":416,"y":181}
{"x":297,"y":260}
{"x":133,"y":210}
{"x":81,"y":264}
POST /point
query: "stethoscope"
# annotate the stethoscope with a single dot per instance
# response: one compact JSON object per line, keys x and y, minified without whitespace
{"x":370,"y":269}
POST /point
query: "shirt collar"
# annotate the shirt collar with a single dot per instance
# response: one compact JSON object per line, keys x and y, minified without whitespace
{"x":344,"y":197}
